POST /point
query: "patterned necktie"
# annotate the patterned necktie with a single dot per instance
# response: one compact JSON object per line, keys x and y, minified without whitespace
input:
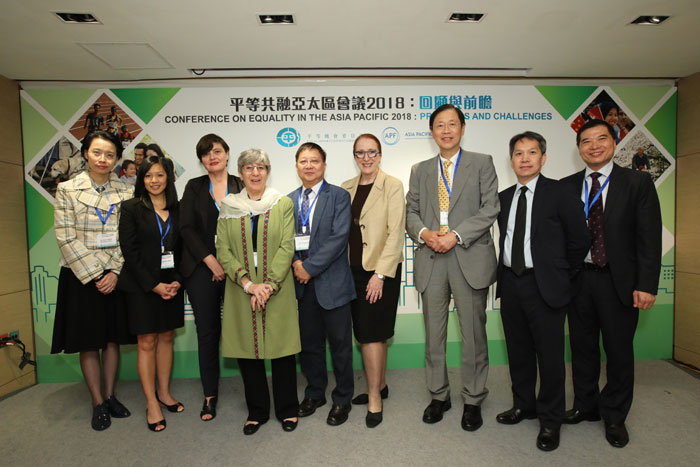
{"x":443,"y":195}
{"x":517,"y":260}
{"x":596,"y":224}
{"x":305,"y":210}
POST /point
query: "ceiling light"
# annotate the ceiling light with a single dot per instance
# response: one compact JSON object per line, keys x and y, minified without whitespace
{"x":77,"y":18}
{"x":650,"y":20}
{"x":465,"y":17}
{"x":276,"y":19}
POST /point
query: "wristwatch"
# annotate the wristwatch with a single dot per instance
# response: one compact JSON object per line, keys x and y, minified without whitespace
{"x":380,"y":276}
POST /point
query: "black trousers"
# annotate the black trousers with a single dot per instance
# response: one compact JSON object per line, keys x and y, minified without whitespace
{"x":534,"y":335}
{"x":205,"y":296}
{"x":598,"y":310}
{"x":284,"y":388}
{"x":316,"y":324}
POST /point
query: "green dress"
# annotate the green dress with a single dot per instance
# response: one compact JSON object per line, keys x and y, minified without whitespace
{"x":274,"y":331}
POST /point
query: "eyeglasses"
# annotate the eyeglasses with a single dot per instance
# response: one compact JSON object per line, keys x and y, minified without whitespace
{"x":253,"y":168}
{"x":451,"y":125}
{"x":372,"y":153}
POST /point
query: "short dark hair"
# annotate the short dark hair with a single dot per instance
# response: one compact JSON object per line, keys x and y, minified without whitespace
{"x":155,"y":148}
{"x":206,"y":144}
{"x":309,"y":146}
{"x":594,"y":123}
{"x":105,"y":135}
{"x":368,"y":136}
{"x":170,"y":190}
{"x":441,"y":109}
{"x":528,"y":135}
{"x":143,"y":146}
{"x":127,"y":163}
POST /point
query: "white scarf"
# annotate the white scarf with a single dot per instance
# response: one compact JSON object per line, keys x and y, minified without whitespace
{"x":238,"y":205}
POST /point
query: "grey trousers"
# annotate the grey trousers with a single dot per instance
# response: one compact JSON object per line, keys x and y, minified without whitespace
{"x":447,"y":279}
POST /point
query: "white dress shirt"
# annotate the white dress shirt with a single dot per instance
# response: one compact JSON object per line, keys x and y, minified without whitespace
{"x":508,"y":243}
{"x":312,"y":197}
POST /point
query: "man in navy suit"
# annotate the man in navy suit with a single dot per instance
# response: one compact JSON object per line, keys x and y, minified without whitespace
{"x":324,"y":284}
{"x":620,"y":277}
{"x":543,"y":241}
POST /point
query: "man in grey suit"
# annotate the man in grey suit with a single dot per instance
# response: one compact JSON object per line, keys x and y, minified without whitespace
{"x":452,"y":202}
{"x":324,"y":284}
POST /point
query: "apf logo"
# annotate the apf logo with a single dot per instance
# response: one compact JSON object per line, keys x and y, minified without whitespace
{"x":390,"y":135}
{"x":288,"y":137}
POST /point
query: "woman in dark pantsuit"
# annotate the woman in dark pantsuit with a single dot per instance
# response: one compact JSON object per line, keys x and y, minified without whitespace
{"x":203,"y":275}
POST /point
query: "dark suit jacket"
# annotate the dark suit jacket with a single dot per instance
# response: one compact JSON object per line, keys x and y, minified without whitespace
{"x":328,"y":249}
{"x":139,"y":239}
{"x":559,"y":238}
{"x":632,"y":223}
{"x":194,"y":209}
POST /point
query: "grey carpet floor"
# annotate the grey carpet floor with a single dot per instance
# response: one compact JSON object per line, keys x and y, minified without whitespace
{"x":49,"y":424}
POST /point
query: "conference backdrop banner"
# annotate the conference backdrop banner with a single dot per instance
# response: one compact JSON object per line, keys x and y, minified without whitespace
{"x":279,"y":119}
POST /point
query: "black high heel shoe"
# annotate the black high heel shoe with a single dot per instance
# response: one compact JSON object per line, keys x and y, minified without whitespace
{"x":362,"y":399}
{"x":153,"y":426}
{"x":209,"y":408}
{"x":373,"y":418}
{"x":174,"y":408}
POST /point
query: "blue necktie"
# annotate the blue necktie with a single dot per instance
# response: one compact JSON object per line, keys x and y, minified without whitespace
{"x":305,"y":209}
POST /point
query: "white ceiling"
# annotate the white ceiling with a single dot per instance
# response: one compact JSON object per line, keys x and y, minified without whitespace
{"x":554,"y":39}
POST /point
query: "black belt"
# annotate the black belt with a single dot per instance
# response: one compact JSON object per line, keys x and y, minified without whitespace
{"x":594,"y":267}
{"x":525,"y":272}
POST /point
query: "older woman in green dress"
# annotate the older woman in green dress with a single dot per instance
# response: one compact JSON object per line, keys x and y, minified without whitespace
{"x":255,"y":245}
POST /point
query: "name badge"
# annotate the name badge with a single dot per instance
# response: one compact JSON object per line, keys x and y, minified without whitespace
{"x":107,"y":240}
{"x":255,"y":259}
{"x":301,"y":242}
{"x":444,"y":218}
{"x":167,"y":260}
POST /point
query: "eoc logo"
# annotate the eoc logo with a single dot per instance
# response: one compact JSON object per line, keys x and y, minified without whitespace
{"x":288,"y":137}
{"x":390,"y":135}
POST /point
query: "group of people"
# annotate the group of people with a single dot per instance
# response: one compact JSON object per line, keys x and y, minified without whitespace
{"x":294,"y":271}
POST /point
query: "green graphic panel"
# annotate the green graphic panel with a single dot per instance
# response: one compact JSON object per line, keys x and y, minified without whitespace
{"x":640,"y":99}
{"x":36,"y":130}
{"x":663,"y":124}
{"x":40,"y":213}
{"x":566,"y":99}
{"x":61,"y":104}
{"x":654,"y":337}
{"x":146,"y":103}
{"x":667,"y":198}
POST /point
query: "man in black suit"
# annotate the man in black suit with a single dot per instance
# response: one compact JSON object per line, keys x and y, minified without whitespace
{"x":543,"y":241}
{"x":620,"y":276}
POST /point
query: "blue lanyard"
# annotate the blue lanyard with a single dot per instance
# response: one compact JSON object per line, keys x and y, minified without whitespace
{"x":160,"y":228}
{"x":442,"y":172}
{"x":588,"y":205}
{"x":109,"y":213}
{"x":211,"y":190}
{"x":305,"y":220}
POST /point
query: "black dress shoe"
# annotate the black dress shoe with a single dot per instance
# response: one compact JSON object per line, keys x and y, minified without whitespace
{"x":338,"y":414}
{"x":116,"y":408}
{"x":289,"y":425}
{"x":574,"y":416}
{"x":471,"y":418}
{"x":309,"y":406}
{"x":252,"y":428}
{"x":363,"y":398}
{"x":514,"y":416}
{"x":100,"y":417}
{"x":373,"y":419}
{"x":616,"y":434}
{"x":548,"y":439}
{"x":433,"y":412}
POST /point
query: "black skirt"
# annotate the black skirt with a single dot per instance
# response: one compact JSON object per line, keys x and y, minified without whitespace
{"x":374,"y":322}
{"x":87,"y":319}
{"x":149,"y":313}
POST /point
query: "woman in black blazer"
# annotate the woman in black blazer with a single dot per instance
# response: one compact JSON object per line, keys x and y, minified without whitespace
{"x":204,"y":276}
{"x":150,"y":242}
